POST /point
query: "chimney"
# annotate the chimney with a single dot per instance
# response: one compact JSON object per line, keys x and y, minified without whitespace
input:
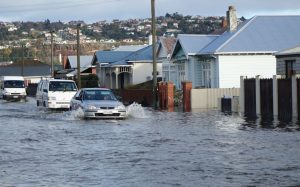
{"x":231,"y":19}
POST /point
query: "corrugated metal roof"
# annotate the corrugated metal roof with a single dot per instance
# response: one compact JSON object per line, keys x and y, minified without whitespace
{"x":142,"y":55}
{"x":130,"y":47}
{"x":85,"y":61}
{"x":291,"y":51}
{"x":111,"y":56}
{"x":192,"y":43}
{"x":260,"y":34}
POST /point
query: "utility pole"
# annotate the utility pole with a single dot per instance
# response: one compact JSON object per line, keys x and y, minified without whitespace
{"x":154,"y":91}
{"x":22,"y":70}
{"x":78,"y":58}
{"x":52,"y":66}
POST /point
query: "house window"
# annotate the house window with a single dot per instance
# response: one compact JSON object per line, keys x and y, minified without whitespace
{"x":289,"y":68}
{"x":206,"y":76}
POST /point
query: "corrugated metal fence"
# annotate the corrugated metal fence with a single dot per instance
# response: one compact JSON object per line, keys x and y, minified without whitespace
{"x":209,"y":98}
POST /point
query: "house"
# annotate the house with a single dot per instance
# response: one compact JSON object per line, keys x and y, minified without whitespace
{"x":32,"y":70}
{"x":70,"y":66}
{"x":245,"y":48}
{"x":118,"y":69}
{"x":186,"y":63}
{"x":288,"y":62}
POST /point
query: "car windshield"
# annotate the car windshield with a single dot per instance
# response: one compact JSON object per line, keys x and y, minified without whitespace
{"x":98,"y":95}
{"x":62,"y":86}
{"x":14,"y":84}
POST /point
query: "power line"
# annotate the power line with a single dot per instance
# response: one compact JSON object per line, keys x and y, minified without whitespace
{"x":36,"y":7}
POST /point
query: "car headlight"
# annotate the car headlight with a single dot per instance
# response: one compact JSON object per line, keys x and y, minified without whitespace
{"x":91,"y":107}
{"x":120,"y":107}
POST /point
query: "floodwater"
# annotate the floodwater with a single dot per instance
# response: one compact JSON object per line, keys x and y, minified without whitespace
{"x":150,"y":148}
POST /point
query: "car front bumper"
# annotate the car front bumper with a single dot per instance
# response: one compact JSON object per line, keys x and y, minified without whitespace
{"x":105,"y":114}
{"x":14,"y":97}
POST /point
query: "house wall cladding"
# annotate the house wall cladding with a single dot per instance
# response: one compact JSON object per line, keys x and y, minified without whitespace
{"x":281,"y":65}
{"x":231,"y":67}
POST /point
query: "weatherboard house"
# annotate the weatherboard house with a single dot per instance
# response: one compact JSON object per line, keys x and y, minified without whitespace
{"x":120,"y":68}
{"x":246,"y":48}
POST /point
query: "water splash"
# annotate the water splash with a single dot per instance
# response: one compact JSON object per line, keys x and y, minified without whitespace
{"x":74,"y":114}
{"x":135,"y":110}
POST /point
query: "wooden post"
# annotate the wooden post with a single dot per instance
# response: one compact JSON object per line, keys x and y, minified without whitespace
{"x":154,"y":54}
{"x":78,"y":58}
{"x":257,"y":95}
{"x":52,"y":51}
{"x":242,"y":95}
{"x":275,"y":98}
{"x":294,"y":97}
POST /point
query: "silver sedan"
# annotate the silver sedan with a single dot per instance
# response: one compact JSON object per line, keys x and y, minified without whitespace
{"x":98,"y":103}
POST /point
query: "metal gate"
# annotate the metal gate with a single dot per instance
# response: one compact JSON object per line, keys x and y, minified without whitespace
{"x":250,"y":98}
{"x":285,"y":110}
{"x":266,"y":98}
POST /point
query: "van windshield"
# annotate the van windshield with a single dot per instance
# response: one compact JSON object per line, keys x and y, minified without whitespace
{"x":14,"y":84}
{"x":62,"y":86}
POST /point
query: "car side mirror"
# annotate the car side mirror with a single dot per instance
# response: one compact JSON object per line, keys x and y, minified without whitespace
{"x":45,"y":90}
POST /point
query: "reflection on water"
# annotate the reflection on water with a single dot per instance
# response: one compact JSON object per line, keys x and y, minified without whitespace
{"x":271,"y":123}
{"x":150,"y":148}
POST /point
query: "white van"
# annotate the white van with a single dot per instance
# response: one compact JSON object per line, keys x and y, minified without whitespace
{"x":12,"y":88}
{"x":55,"y":93}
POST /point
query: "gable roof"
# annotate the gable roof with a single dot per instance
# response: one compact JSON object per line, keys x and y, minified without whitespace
{"x":142,"y":55}
{"x":166,"y":45}
{"x":85,"y":61}
{"x":192,"y":43}
{"x":260,"y":34}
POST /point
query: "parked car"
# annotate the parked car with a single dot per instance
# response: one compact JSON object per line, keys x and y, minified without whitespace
{"x":55,"y":93}
{"x":12,"y":88}
{"x":98,"y":103}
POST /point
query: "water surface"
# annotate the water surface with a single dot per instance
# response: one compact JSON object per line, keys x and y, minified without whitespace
{"x":150,"y":148}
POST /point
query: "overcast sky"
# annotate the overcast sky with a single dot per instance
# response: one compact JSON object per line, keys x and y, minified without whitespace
{"x":96,"y":10}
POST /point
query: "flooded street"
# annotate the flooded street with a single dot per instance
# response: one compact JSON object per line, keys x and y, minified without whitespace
{"x":151,"y":148}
